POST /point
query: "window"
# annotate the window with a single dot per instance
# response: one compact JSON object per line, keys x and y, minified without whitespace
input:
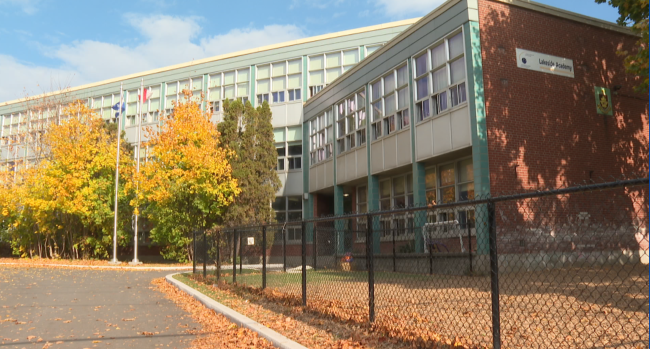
{"x":390,"y":103}
{"x":396,"y":192}
{"x":289,"y":209}
{"x":372,"y":48}
{"x":452,"y":182}
{"x":440,"y":77}
{"x":325,"y":68}
{"x":321,"y":137}
{"x":280,"y":81}
{"x":351,"y":121}
{"x":288,"y":143}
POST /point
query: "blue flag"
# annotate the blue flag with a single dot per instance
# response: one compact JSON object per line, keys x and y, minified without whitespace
{"x":117,"y":107}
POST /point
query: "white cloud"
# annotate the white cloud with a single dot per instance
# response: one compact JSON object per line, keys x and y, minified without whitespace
{"x":407,"y":8}
{"x":28,"y":6}
{"x":167,"y":40}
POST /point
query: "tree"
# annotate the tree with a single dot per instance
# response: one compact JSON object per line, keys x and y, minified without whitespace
{"x":62,"y":205}
{"x":187,"y":184}
{"x":634,"y":12}
{"x":249,"y":133}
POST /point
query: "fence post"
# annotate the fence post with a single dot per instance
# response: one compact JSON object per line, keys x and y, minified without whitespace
{"x":218,"y":264}
{"x":263,"y":256}
{"x":284,"y":248}
{"x":469,"y":245}
{"x":234,"y":256}
{"x":371,"y":270}
{"x":303,"y":232}
{"x":241,"y":251}
{"x":314,"y":246}
{"x":194,"y":252}
{"x":494,"y":276}
{"x":394,"y":253}
{"x":205,"y":254}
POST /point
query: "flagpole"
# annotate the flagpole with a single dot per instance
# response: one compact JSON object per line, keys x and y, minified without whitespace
{"x":117,"y":175}
{"x":137,"y":170}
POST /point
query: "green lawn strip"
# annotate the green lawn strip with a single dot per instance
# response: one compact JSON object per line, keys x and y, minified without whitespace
{"x":205,"y":289}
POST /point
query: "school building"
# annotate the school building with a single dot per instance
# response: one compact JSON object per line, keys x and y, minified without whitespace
{"x":477,"y":97}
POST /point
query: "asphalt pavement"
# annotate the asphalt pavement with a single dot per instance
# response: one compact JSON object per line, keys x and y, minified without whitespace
{"x":86,"y":308}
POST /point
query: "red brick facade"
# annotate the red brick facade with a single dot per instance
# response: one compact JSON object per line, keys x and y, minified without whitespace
{"x":543,"y":129}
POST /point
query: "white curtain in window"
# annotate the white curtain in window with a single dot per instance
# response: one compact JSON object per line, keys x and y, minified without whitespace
{"x":184,"y":85}
{"x":456,"y":45}
{"x":155,"y":104}
{"x":229,"y":92}
{"x":402,"y":76}
{"x":376,"y":90}
{"x":402,"y":98}
{"x":229,"y":78}
{"x":197,"y":83}
{"x":439,"y":79}
{"x":389,"y":104}
{"x":316,"y":78}
{"x":295,"y":66}
{"x":263,"y":71}
{"x":316,"y":62}
{"x":279,"y":83}
{"x":389,"y":83}
{"x":243,"y":75}
{"x":438,"y":56}
{"x":279,"y":69}
{"x":457,"y":69}
{"x":351,"y":56}
{"x":242,"y":90}
{"x":263,"y":86}
{"x":214,"y":94}
{"x":215,"y":80}
{"x":333,"y":74}
{"x":295,"y":81}
{"x":333,"y":60}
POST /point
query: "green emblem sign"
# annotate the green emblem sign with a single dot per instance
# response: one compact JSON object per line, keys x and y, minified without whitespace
{"x":603,"y":100}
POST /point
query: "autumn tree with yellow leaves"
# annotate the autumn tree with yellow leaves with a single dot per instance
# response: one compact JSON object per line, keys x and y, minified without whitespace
{"x":62,"y":206}
{"x":187,"y":182}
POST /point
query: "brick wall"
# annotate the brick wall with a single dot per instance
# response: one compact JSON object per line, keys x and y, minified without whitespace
{"x":543,"y":129}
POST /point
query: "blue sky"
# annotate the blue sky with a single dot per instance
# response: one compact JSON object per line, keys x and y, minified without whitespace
{"x":48,"y":44}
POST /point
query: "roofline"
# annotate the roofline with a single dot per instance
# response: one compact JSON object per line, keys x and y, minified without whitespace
{"x":221,"y":57}
{"x":531,"y":5}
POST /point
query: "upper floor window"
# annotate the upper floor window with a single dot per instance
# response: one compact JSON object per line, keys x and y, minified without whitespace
{"x":321,"y":137}
{"x":440,"y":81}
{"x":234,"y":84}
{"x":351,"y":121}
{"x":279,"y":82}
{"x":325,"y":68}
{"x":390,"y":103}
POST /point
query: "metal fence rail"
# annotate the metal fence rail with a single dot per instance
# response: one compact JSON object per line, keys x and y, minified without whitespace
{"x":563,"y":268}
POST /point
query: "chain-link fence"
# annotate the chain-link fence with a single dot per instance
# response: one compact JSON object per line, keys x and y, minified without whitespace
{"x":564,"y":268}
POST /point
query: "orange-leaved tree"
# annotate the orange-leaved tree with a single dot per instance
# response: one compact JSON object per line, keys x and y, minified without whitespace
{"x":66,"y":200}
{"x":186,"y":184}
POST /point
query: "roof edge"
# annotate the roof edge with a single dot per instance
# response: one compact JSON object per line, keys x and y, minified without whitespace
{"x":219,"y":57}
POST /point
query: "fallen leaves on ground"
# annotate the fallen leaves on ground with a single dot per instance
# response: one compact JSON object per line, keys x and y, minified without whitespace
{"x":46,"y":262}
{"x":216,"y":330}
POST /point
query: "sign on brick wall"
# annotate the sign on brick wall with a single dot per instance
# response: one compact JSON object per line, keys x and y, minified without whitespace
{"x":544,"y":63}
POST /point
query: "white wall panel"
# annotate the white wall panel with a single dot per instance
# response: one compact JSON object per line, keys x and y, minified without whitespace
{"x":424,"y":140}
{"x":376,"y":157}
{"x":404,"y":148}
{"x":441,"y":134}
{"x":390,"y":152}
{"x":362,"y":162}
{"x":460,"y":136}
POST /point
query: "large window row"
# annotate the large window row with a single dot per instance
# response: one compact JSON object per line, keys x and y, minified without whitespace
{"x":234,"y":84}
{"x":279,"y":82}
{"x":440,"y":77}
{"x":351,"y":121}
{"x":321,"y":137}
{"x":447,"y":183}
{"x":288,"y":209}
{"x":325,"y":68}
{"x":390,"y":102}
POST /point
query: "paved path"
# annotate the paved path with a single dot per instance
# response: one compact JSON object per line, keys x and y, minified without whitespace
{"x":85,"y":308}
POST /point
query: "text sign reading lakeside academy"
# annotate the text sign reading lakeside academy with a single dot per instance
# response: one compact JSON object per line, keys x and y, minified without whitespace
{"x":544,"y":63}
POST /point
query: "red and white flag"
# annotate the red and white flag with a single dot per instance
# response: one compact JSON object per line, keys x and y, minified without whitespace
{"x":146,"y":94}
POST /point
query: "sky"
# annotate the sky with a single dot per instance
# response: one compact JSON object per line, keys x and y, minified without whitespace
{"x":46,"y":45}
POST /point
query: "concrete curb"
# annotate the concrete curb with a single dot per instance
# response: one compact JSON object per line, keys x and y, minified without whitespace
{"x":277,"y":339}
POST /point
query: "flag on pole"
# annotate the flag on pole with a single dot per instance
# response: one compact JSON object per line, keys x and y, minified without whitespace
{"x":145,"y":95}
{"x":117,"y":108}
